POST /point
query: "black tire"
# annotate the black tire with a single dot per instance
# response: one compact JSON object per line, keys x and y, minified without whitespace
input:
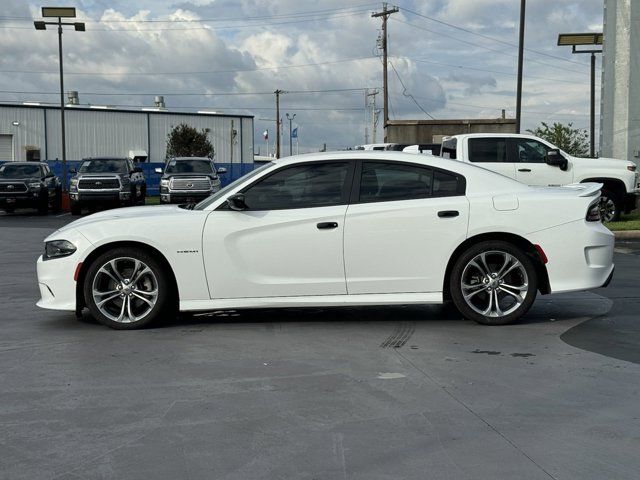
{"x":76,"y":208}
{"x":158,"y":280}
{"x":43,"y":204}
{"x":57,"y":202}
{"x":610,"y":206}
{"x":482,"y":289}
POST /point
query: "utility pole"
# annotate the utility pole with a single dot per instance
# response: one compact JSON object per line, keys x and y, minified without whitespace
{"x":374,"y":114}
{"x":278,"y":92}
{"x":385,"y":13}
{"x":290,"y":127}
{"x":523,"y":6}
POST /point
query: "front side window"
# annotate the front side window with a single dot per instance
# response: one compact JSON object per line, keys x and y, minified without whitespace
{"x":104,"y":166}
{"x":301,"y":186}
{"x":488,"y":150}
{"x":530,"y":151}
{"x":231,"y":186}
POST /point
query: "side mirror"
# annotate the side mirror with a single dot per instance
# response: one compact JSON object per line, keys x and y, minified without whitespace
{"x":73,"y":171}
{"x":158,"y":170}
{"x":49,"y":175}
{"x":136,"y":170}
{"x":555,"y":159}
{"x":221,"y":171}
{"x":236,"y":202}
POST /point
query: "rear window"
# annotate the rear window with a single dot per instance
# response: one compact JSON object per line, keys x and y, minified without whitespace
{"x":449,"y":148}
{"x":488,"y":150}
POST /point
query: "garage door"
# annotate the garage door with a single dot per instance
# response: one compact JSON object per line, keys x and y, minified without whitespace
{"x":6,"y":147}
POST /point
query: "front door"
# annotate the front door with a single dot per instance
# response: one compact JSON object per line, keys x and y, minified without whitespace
{"x":529,"y":157}
{"x":288,"y":242}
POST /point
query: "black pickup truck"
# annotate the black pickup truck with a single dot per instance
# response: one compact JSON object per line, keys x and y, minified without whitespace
{"x":29,"y":184}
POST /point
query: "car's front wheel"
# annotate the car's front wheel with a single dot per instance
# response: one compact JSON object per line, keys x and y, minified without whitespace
{"x":493,"y":283}
{"x":126,"y":288}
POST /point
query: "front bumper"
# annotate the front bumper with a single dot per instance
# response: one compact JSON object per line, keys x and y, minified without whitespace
{"x":580,"y":255}
{"x":20,"y":199}
{"x":107,"y":196}
{"x":184,"y":197}
{"x":56,"y":276}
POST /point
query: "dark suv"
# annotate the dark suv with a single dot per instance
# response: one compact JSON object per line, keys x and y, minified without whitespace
{"x":29,"y":184}
{"x":188,"y":180}
{"x":106,"y":180}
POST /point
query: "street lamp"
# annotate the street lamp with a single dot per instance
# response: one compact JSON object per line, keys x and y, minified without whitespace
{"x":290,"y":140}
{"x":574,"y":40}
{"x":60,"y":13}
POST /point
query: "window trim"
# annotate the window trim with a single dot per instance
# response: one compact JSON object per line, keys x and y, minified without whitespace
{"x":355,"y":191}
{"x":346,"y":187}
{"x":508,"y":146}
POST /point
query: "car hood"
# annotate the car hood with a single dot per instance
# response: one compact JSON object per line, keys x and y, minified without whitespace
{"x":604,"y":162}
{"x":188,"y":175}
{"x":19,"y":179}
{"x":131,"y":213}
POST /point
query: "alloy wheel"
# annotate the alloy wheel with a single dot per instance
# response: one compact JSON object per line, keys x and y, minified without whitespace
{"x":607,"y":208}
{"x":494,"y":283}
{"x":125,"y":290}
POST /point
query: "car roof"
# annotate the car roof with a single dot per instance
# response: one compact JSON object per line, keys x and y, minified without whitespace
{"x":25,"y":163}
{"x":191,"y":158}
{"x":104,"y":158}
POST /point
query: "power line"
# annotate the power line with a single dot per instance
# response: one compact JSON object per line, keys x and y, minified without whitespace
{"x":405,"y":93}
{"x":490,"y":37}
{"x":208,"y":72}
{"x":200,"y":94}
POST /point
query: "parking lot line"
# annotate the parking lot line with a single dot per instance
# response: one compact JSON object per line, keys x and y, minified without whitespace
{"x":63,"y":214}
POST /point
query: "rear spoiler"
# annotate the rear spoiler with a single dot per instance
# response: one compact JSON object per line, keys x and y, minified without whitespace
{"x":587,"y":189}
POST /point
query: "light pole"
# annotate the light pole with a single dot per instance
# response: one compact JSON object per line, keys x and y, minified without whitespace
{"x":60,"y":13}
{"x":575,"y":39}
{"x":523,"y":7}
{"x":290,"y":140}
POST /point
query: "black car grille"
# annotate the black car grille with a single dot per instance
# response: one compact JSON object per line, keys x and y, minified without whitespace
{"x":13,"y":187}
{"x":98,"y":184}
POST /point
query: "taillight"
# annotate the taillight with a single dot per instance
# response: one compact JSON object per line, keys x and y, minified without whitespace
{"x":593,"y":214}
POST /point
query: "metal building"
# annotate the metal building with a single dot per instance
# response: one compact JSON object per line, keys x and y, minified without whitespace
{"x":32,"y":132}
{"x":620,"y":107}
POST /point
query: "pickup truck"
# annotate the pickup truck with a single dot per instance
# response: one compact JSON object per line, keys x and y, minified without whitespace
{"x":188,"y":179}
{"x":29,"y":184}
{"x":534,"y":161}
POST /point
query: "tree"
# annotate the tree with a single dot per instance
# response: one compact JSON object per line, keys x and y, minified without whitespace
{"x":574,"y":141}
{"x":186,"y":141}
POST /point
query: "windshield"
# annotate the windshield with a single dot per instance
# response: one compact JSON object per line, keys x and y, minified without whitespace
{"x":220,"y":193}
{"x":189,"y":166}
{"x":104,"y":166}
{"x":14,"y":171}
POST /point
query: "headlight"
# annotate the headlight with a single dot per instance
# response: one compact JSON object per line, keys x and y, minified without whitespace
{"x":164,"y":182}
{"x":35,"y":185}
{"x":73,"y":185}
{"x":58,"y":249}
{"x":74,"y":181}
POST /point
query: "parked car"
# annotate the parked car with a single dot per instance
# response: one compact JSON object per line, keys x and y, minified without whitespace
{"x":347,"y":228}
{"x":188,"y":179}
{"x":29,"y":184}
{"x":107,"y":180}
{"x":535,"y":161}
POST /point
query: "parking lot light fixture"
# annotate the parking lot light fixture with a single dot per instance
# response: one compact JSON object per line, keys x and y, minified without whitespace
{"x":574,"y":40}
{"x":60,"y":13}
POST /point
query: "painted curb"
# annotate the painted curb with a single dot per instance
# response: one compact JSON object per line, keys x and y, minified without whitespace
{"x":627,"y":234}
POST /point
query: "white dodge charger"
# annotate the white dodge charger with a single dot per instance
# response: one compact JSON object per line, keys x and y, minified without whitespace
{"x":347,"y":228}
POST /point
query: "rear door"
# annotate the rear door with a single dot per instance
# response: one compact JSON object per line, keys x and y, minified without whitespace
{"x":491,"y":153}
{"x":401,"y":227}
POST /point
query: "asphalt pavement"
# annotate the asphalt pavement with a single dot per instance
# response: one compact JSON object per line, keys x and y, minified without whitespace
{"x":343,"y":393}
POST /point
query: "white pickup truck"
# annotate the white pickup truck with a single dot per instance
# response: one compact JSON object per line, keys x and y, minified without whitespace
{"x":534,"y":161}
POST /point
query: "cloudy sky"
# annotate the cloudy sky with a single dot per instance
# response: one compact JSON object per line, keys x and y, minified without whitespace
{"x":449,"y":59}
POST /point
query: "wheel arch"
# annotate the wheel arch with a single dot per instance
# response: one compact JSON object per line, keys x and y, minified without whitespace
{"x":80,"y":300}
{"x":529,"y":249}
{"x":614,"y":185}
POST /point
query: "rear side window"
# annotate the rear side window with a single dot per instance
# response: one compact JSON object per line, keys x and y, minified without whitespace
{"x":488,"y":150}
{"x":385,"y":182}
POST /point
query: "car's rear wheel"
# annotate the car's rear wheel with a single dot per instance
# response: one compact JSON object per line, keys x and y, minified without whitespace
{"x":126,"y":288}
{"x":610,"y":206}
{"x":493,"y":283}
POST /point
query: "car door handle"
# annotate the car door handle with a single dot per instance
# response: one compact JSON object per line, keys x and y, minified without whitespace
{"x":327,"y":225}
{"x":524,"y":169}
{"x":448,"y":213}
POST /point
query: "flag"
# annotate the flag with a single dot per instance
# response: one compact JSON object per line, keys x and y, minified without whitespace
{"x":294,"y":133}
{"x":265,"y":134}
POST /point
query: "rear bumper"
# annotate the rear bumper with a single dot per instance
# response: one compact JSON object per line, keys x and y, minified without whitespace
{"x":580,"y":255}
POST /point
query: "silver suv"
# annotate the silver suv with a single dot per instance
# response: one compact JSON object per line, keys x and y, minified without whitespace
{"x":188,"y":179}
